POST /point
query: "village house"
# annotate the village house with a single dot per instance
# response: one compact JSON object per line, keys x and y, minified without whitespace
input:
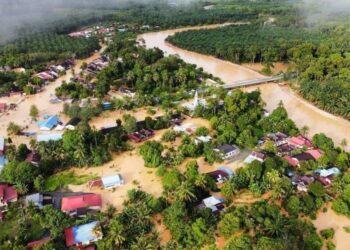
{"x":255,"y":156}
{"x":227,"y":151}
{"x":72,"y":123}
{"x":325,"y":176}
{"x":80,"y":204}
{"x":83,"y":235}
{"x":299,"y":142}
{"x":301,"y":181}
{"x":221,"y":175}
{"x":107,"y":182}
{"x":8,"y":194}
{"x":176,"y":119}
{"x":41,"y":199}
{"x":188,"y":128}
{"x":309,"y":155}
{"x":213,"y":203}
{"x":202,"y":139}
{"x":3,"y":107}
{"x":141,"y":135}
{"x":278,"y":138}
{"x":49,"y":124}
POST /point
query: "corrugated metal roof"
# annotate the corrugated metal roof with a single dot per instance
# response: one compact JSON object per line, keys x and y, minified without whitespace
{"x":112,"y":181}
{"x":49,"y":137}
{"x":2,"y":143}
{"x":50,"y":123}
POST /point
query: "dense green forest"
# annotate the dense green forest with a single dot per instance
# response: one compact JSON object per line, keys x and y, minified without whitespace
{"x":246,"y":43}
{"x":44,"y":47}
{"x":194,"y":13}
{"x":279,"y":216}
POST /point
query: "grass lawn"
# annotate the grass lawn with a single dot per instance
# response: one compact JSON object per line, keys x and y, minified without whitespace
{"x":63,"y":179}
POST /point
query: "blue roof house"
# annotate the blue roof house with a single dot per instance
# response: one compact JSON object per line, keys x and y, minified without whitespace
{"x":328,"y":172}
{"x":3,"y":162}
{"x":49,"y":124}
{"x":83,"y":235}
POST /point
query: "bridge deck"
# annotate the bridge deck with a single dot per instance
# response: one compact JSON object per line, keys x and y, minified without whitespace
{"x":251,"y":82}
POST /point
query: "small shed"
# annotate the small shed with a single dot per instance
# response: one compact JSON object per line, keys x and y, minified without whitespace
{"x":112,"y":181}
{"x":107,"y":182}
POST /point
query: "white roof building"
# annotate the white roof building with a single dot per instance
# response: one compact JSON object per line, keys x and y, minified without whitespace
{"x":191,"y":106}
{"x":112,"y":181}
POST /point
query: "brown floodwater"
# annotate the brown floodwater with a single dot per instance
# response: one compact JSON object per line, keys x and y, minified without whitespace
{"x":302,"y":112}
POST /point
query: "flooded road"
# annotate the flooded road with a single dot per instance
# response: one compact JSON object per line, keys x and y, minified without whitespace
{"x":330,"y":219}
{"x":21,"y":116}
{"x":302,"y":112}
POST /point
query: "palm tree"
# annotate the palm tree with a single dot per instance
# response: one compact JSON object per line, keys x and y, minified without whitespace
{"x":22,"y":188}
{"x":145,"y":243}
{"x":201,"y":181}
{"x":344,"y":143}
{"x":184,"y":192}
{"x":277,"y":227}
{"x":117,"y":233}
{"x":304,"y":130}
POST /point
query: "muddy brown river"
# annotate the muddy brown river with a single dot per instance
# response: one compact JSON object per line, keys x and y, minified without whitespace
{"x":302,"y":112}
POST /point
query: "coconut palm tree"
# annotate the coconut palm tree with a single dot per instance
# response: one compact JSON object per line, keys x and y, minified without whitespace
{"x":304,"y":130}
{"x":344,"y":143}
{"x":277,"y":227}
{"x":184,"y":192}
{"x":201,"y":181}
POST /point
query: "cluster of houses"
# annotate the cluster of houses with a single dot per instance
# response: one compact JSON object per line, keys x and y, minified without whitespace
{"x":97,"y":65}
{"x":94,"y":31}
{"x":288,"y":145}
{"x":54,"y":71}
{"x":295,"y":150}
{"x":324,"y":176}
{"x":74,"y":204}
{"x":54,"y":123}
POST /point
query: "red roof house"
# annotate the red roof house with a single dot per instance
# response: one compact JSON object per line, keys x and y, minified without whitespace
{"x":315,"y":153}
{"x":3,"y":107}
{"x":299,"y":141}
{"x":292,"y":161}
{"x":79,"y":204}
{"x":38,"y":243}
{"x":8,"y":194}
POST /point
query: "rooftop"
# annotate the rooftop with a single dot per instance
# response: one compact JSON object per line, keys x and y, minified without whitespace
{"x":49,"y":137}
{"x":72,"y":203}
{"x":83,"y":234}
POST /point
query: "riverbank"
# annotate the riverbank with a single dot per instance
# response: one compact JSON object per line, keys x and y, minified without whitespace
{"x":302,"y":112}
